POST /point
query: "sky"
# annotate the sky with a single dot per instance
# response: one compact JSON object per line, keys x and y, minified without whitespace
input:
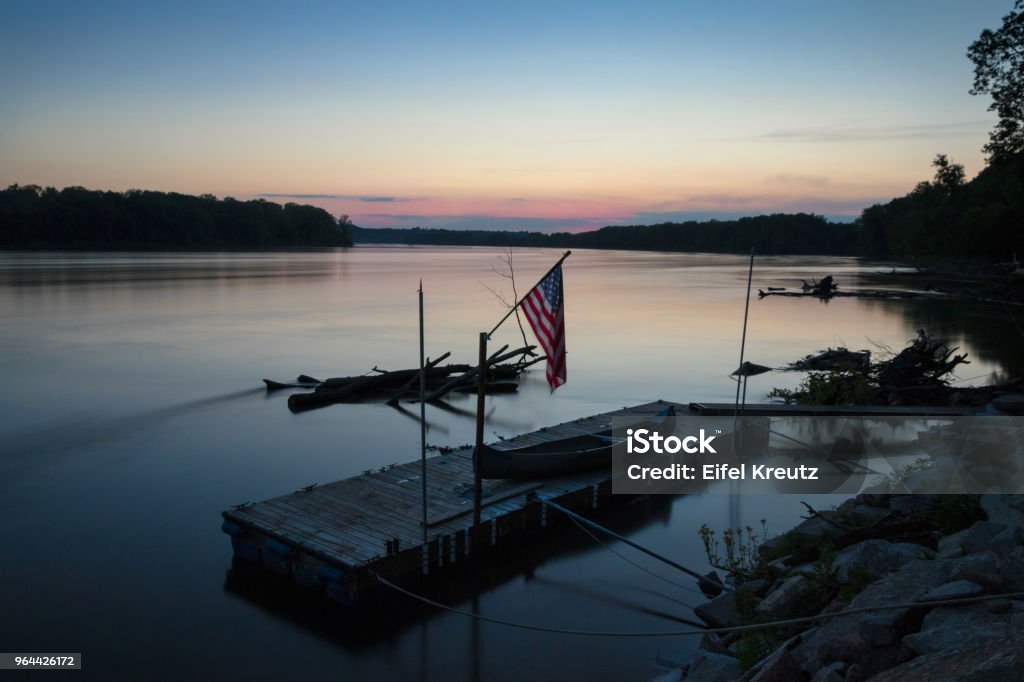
{"x":526,"y":115}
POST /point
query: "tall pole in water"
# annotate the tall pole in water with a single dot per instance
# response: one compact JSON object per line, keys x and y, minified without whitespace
{"x":743,"y":339}
{"x":481,"y":387}
{"x":734,"y":500}
{"x":423,"y":437}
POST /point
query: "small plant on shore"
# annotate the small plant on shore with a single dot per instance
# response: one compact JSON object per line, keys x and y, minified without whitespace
{"x":754,"y":646}
{"x":737,"y":551}
{"x":823,"y":571}
{"x":859,"y":579}
{"x":836,"y":387}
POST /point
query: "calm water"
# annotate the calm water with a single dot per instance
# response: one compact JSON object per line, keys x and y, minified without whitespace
{"x":134,"y":413}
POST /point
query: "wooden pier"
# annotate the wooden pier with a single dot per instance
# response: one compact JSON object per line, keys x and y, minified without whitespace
{"x":337,"y":537}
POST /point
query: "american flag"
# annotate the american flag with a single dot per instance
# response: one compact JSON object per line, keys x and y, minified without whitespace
{"x":545,"y":311}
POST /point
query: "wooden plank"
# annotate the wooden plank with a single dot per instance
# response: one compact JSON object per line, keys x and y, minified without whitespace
{"x":493,"y":500}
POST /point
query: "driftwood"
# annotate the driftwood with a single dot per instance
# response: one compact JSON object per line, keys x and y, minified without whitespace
{"x":469,"y":374}
{"x":394,"y":385}
{"x":832,"y":359}
{"x":864,"y":293}
{"x":917,"y":375}
{"x":414,"y":379}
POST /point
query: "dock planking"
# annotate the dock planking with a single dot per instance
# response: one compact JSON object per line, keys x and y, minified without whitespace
{"x":337,"y":537}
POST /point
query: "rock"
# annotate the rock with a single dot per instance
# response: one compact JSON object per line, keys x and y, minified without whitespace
{"x":1001,"y":661}
{"x":984,"y":568}
{"x":1007,"y":541}
{"x":950,"y":628}
{"x":873,"y":500}
{"x":709,"y":667}
{"x":1005,"y":509}
{"x":720,"y":612}
{"x":958,"y":589}
{"x":710,"y":584}
{"x":1011,"y":403}
{"x":875,"y":557}
{"x":849,"y":638}
{"x":786,"y":598}
{"x":949,"y":546}
{"x":753,"y":588}
{"x":818,"y":527}
{"x":868,"y":514}
{"x":1011,"y":570}
{"x":977,"y":537}
{"x":830,"y":673}
{"x":909,"y":504}
{"x":778,"y":667}
{"x":674,"y":675}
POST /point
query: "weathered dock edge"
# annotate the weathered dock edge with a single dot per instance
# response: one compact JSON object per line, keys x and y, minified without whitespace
{"x":337,"y":537}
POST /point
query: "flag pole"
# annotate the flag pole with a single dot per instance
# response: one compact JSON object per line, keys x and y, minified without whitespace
{"x":423,"y":439}
{"x":481,"y":390}
{"x":524,"y":296}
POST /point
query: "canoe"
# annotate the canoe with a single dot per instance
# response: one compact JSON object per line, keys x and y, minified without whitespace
{"x":563,"y":457}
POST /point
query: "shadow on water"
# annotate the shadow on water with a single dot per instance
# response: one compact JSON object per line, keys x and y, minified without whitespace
{"x":43,"y":447}
{"x":385,"y":616}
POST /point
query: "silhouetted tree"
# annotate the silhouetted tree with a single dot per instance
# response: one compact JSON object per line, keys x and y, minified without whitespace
{"x":998,"y":58}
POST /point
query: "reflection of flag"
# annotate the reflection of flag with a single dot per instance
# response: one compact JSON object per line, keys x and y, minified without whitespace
{"x":544,"y":309}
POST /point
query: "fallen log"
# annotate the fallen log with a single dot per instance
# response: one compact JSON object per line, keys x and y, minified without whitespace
{"x":413,"y":379}
{"x":469,"y":374}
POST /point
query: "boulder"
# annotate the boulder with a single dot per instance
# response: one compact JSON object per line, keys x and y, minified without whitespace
{"x":977,"y":537}
{"x":859,"y":637}
{"x":951,"y":628}
{"x":830,"y":673}
{"x":957,"y":589}
{"x":984,"y":568}
{"x":1011,"y":569}
{"x":869,"y":515}
{"x":876,"y":557}
{"x":950,"y":547}
{"x":710,"y":667}
{"x":999,"y":661}
{"x":785,"y":599}
{"x":720,"y":612}
{"x":778,"y":667}
{"x":1005,"y":509}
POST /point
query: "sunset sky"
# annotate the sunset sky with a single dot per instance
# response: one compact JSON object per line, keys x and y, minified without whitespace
{"x":525,"y":115}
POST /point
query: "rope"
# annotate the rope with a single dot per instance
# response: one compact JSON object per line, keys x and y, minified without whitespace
{"x":633,"y":563}
{"x":686,"y":633}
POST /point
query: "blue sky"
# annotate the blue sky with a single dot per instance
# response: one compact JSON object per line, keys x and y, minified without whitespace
{"x":564,"y":115}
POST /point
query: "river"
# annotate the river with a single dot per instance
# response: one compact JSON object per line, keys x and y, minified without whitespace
{"x":134,"y":414}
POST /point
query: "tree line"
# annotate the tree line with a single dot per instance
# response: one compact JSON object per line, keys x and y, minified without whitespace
{"x":799,"y":233}
{"x":75,"y":217}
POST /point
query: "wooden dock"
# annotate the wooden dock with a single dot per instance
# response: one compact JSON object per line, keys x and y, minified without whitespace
{"x":336,"y":537}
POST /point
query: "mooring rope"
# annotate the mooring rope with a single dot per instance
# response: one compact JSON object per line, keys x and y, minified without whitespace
{"x":688,"y":633}
{"x":633,"y":563}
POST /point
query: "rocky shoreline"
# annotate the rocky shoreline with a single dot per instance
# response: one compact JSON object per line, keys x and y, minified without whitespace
{"x":877,"y":550}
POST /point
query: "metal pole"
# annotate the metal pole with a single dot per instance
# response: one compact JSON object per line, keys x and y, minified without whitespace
{"x":743,"y":339}
{"x":738,"y":409}
{"x":423,"y":426}
{"x":480,"y":394}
